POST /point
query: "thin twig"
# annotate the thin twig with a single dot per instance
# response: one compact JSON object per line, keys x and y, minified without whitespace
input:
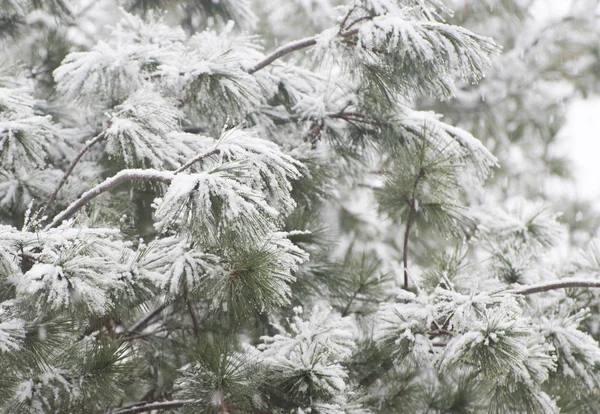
{"x":121,"y":177}
{"x":360,"y":19}
{"x":195,"y":324}
{"x":563,"y":284}
{"x":343,"y":23}
{"x":191,"y":310}
{"x":409,"y":222}
{"x":354,"y":116}
{"x":86,"y":9}
{"x":153,"y":334}
{"x":141,"y":323}
{"x":347,"y":308}
{"x":349,"y":33}
{"x":195,"y":160}
{"x":194,"y":129}
{"x":81,"y":153}
{"x":150,"y":406}
{"x":223,"y":408}
{"x":282,"y":51}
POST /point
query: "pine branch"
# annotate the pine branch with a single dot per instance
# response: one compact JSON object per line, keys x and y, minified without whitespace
{"x":563,"y":284}
{"x":282,"y":51}
{"x":145,"y":407}
{"x":121,"y":177}
{"x":306,"y":42}
{"x":81,"y":153}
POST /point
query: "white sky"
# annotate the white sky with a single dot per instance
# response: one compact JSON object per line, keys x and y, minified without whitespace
{"x":582,"y":130}
{"x":582,"y":133}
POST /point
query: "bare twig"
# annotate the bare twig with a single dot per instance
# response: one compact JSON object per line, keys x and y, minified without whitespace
{"x":349,"y":33}
{"x":194,"y":129}
{"x":195,"y":160}
{"x":121,"y":177}
{"x":153,"y":334}
{"x":141,"y":323}
{"x":346,"y":17}
{"x":81,"y":153}
{"x":409,"y":223}
{"x":150,"y":406}
{"x":191,"y":310}
{"x":562,"y":284}
{"x":223,"y":408}
{"x":354,"y":116}
{"x":282,"y":51}
{"x":195,"y":324}
{"x":360,"y":19}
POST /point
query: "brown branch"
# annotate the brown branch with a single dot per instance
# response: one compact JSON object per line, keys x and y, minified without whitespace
{"x":195,"y":160}
{"x":282,"y":51}
{"x":121,"y":177}
{"x":150,"y":406}
{"x":360,"y":19}
{"x":81,"y":153}
{"x":347,"y":308}
{"x":349,"y":33}
{"x":118,"y":179}
{"x":409,"y":222}
{"x":150,"y":334}
{"x":343,"y":23}
{"x":191,"y":310}
{"x":314,"y":133}
{"x":195,"y":324}
{"x":354,"y":116}
{"x":141,"y":323}
{"x":563,"y":284}
{"x":223,"y":408}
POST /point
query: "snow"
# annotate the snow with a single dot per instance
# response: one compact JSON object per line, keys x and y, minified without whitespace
{"x":139,"y":130}
{"x":314,"y":347}
{"x":190,"y":199}
{"x":12,"y":334}
{"x":323,"y":329}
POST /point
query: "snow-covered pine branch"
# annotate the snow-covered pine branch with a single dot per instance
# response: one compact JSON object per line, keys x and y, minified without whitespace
{"x":211,"y":206}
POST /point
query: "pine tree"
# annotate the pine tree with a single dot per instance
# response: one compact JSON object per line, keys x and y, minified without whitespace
{"x":252,"y":207}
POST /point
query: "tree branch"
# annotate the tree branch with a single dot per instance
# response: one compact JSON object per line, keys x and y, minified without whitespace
{"x":282,"y":51}
{"x":141,"y":323}
{"x":409,"y":222}
{"x":121,"y":177}
{"x":360,"y":19}
{"x":118,"y":179}
{"x":195,"y":160}
{"x":562,"y":284}
{"x":191,"y":310}
{"x":81,"y":153}
{"x":145,"y":407}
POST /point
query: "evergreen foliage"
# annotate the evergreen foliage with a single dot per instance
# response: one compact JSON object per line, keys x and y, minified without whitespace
{"x":293,"y":207}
